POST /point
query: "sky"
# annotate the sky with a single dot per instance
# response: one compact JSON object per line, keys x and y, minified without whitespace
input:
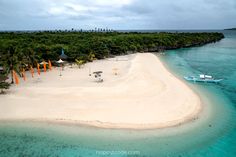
{"x":117,"y":14}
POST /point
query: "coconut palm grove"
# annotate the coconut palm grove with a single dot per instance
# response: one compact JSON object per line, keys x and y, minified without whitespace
{"x":22,"y":50}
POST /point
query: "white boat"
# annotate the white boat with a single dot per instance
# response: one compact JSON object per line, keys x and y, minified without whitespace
{"x":202,"y":78}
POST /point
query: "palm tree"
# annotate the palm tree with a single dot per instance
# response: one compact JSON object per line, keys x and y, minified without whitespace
{"x":10,"y":60}
{"x":29,"y":57}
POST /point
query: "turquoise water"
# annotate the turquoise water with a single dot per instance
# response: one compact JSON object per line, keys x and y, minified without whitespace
{"x":213,"y":134}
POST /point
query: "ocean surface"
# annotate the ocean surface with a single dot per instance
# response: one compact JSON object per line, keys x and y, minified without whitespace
{"x":213,"y":134}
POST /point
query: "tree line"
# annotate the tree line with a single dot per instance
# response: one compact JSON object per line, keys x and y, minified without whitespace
{"x":21,"y":49}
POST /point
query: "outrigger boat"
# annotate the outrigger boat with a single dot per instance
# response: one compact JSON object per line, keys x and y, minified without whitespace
{"x":202,"y":78}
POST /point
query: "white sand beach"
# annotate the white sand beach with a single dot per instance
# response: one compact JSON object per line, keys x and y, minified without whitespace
{"x":143,"y":95}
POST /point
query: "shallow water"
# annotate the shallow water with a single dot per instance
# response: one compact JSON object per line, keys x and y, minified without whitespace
{"x":212,"y":135}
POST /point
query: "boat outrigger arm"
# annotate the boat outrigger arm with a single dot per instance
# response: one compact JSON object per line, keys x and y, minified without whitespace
{"x":202,"y":78}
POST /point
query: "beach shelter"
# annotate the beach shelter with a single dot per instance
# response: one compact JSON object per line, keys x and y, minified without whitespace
{"x":63,"y":55}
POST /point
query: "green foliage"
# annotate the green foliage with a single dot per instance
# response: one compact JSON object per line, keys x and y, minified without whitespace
{"x":91,"y":57}
{"x":21,"y":49}
{"x":38,"y":46}
{"x":80,"y":62}
{"x":12,"y":58}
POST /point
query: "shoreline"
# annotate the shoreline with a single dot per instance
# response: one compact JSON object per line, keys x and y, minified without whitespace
{"x":105,"y":116}
{"x":104,"y":125}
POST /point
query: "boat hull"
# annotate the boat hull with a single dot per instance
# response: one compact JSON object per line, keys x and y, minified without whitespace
{"x":194,"y":79}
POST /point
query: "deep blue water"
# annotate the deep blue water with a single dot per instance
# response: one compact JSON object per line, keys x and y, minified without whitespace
{"x":212,"y":135}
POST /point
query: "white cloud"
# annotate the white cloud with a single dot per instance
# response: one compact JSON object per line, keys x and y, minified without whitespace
{"x":119,"y":14}
{"x":112,"y":3}
{"x":56,"y":10}
{"x":71,"y":8}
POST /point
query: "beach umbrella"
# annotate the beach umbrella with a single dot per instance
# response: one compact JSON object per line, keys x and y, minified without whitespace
{"x":60,"y":61}
{"x":43,"y":62}
{"x":44,"y":65}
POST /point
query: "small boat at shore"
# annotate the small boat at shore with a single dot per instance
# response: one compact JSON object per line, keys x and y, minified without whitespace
{"x":202,"y":78}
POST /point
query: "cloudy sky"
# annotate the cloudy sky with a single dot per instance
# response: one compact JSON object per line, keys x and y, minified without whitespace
{"x":117,"y":14}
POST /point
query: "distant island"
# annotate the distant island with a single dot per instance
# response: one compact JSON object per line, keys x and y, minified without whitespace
{"x":230,"y":29}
